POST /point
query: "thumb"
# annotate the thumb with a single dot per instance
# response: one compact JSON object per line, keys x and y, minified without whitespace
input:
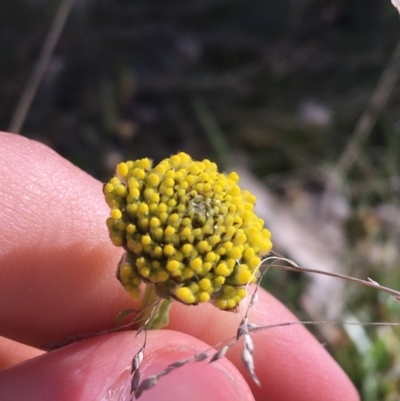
{"x":99,"y":369}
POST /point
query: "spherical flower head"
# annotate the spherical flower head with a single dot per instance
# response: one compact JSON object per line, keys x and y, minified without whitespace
{"x":187,"y":228}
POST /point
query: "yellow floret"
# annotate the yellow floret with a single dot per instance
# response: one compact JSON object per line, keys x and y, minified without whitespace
{"x":134,"y":293}
{"x":168,"y":192}
{"x":210,"y":257}
{"x":235,"y":253}
{"x":187,"y":249}
{"x":160,"y":169}
{"x":125,"y":270}
{"x":143,"y":223}
{"x":121,"y":190}
{"x":143,"y":208}
{"x":140,"y":262}
{"x":154,"y":222}
{"x":214,"y":240}
{"x":116,"y":214}
{"x":194,"y":169}
{"x":244,"y":277}
{"x":163,"y":217}
{"x":202,"y":246}
{"x":145,"y":163}
{"x":148,"y":193}
{"x":146,"y":239}
{"x":134,"y":193}
{"x":158,"y":252}
{"x":194,"y":288}
{"x":185,"y":232}
{"x":195,"y":264}
{"x":153,"y":179}
{"x":254,"y":262}
{"x":187,"y":274}
{"x":122,"y":169}
{"x":169,"y":182}
{"x":130,"y":228}
{"x":185,"y":158}
{"x":169,"y":250}
{"x":204,"y":297}
{"x":175,"y":160}
{"x":207,"y":266}
{"x":139,"y":173}
{"x":230,"y":232}
{"x":233,"y":176}
{"x":230,"y":304}
{"x":110,"y":222}
{"x":117,"y":240}
{"x":162,"y":208}
{"x":240,"y":238}
{"x":144,"y":271}
{"x":178,"y":256}
{"x":108,"y":188}
{"x":197,"y":232}
{"x":205,"y":284}
{"x":162,"y":276}
{"x":169,"y":231}
{"x":185,"y":295}
{"x":170,"y":174}
{"x":221,"y":303}
{"x":154,"y":199}
{"x":137,"y":248}
{"x":265,"y":246}
{"x":173,"y":265}
{"x":133,"y":183}
{"x":229,"y":290}
{"x":158,"y":234}
{"x":222,"y":270}
{"x":249,"y":253}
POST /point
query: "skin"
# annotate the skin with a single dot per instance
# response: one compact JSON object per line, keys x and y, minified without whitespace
{"x":57,"y":279}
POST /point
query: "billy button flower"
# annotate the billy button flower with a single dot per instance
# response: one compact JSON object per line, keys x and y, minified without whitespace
{"x":188,"y":230}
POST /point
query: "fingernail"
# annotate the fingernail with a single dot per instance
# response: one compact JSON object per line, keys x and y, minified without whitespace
{"x":197,"y":381}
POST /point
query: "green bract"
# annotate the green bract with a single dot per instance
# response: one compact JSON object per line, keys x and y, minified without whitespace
{"x":186,"y":228}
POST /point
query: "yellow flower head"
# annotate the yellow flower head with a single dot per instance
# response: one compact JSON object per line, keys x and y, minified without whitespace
{"x":186,"y":228}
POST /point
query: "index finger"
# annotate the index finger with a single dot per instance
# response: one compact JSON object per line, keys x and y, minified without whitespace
{"x":57,"y":265}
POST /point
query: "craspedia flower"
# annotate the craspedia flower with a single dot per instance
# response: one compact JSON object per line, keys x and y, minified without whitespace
{"x":187,"y":228}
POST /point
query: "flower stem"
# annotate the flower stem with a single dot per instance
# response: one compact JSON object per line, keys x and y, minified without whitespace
{"x":154,"y":311}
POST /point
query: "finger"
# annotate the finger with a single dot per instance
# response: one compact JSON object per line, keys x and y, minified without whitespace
{"x":289,"y":361}
{"x":12,"y":352}
{"x":99,"y":369}
{"x":56,"y":262}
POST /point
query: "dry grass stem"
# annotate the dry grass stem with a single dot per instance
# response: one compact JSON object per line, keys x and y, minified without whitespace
{"x":368,"y":282}
{"x":40,"y":67}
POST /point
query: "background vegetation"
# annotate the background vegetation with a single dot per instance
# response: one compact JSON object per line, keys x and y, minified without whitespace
{"x":301,"y":93}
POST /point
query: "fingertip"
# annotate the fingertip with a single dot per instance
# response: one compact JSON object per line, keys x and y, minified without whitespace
{"x":12,"y":352}
{"x":99,"y":369}
{"x":197,"y":381}
{"x":289,"y":361}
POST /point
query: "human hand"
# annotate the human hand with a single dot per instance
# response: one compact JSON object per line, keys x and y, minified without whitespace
{"x":57,"y":279}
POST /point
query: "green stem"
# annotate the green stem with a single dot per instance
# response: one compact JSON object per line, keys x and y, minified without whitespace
{"x":153,"y":309}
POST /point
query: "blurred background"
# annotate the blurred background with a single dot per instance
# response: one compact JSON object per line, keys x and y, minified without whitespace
{"x":300,"y":97}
